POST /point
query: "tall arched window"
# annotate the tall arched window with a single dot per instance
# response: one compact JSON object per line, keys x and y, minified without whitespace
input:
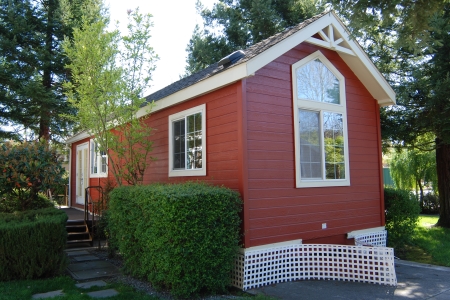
{"x":321,"y":145}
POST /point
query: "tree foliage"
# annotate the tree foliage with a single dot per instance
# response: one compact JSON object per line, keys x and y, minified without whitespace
{"x":237,"y":24}
{"x":25,"y":170}
{"x":32,"y":66}
{"x":411,"y":169}
{"x":109,"y":75}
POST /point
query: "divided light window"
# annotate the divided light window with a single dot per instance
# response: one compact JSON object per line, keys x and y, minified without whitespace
{"x":98,"y":161}
{"x":187,"y":142}
{"x":320,"y":112}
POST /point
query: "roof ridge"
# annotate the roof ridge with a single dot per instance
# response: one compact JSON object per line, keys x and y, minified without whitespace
{"x":214,"y":69}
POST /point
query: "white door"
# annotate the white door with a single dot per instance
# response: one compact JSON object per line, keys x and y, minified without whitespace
{"x":82,"y":172}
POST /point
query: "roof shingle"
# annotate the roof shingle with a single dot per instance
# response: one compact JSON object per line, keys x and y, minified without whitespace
{"x":214,"y":69}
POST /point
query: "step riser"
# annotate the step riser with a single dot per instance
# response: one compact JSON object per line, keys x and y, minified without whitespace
{"x":77,"y":232}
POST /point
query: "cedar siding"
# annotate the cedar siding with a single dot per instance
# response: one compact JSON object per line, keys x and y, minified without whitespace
{"x":276,"y":210}
{"x":221,"y":139}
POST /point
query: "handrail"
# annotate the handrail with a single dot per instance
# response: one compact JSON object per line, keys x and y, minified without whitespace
{"x":87,"y":197}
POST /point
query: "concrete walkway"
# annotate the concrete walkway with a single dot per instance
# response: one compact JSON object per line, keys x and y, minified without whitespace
{"x":415,"y":281}
{"x":87,"y":268}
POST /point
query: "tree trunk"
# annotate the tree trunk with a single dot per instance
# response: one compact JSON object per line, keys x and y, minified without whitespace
{"x":44,"y":122}
{"x":443,"y":176}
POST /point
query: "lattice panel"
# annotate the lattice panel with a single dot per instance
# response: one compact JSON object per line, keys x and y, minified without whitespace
{"x":237,"y":275}
{"x":330,"y":262}
{"x":376,"y":239}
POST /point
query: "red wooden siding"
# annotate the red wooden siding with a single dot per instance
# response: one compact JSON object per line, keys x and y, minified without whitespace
{"x":276,"y":210}
{"x":221,"y":139}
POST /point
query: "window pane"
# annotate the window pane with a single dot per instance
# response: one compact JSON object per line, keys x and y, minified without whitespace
{"x":194,"y":142}
{"x":316,"y":82}
{"x":104,"y":157}
{"x":178,"y":144}
{"x":310,"y":152}
{"x":94,"y":151}
{"x":333,"y":132}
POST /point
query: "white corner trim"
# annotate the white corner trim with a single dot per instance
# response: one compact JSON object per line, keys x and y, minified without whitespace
{"x":352,"y":234}
{"x":270,"y":246}
{"x":196,"y":172}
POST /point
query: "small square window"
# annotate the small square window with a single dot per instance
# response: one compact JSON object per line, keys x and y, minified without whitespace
{"x":187,"y":145}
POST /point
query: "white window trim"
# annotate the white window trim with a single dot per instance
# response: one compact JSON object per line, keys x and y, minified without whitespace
{"x":99,"y":164}
{"x":178,"y":116}
{"x":319,"y":107}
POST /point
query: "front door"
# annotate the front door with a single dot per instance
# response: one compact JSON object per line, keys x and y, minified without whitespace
{"x":82,"y":170}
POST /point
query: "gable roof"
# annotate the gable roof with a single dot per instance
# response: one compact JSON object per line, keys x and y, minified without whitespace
{"x":334,"y":36}
{"x":327,"y":25}
{"x":214,"y":69}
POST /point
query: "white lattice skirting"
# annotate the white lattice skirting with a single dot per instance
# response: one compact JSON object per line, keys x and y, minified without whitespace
{"x":377,"y":239}
{"x":331,"y":262}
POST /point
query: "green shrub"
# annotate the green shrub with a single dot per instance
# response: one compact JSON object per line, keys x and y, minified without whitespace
{"x":32,"y":244}
{"x":27,"y":169}
{"x":10,"y":203}
{"x":430,"y":204}
{"x":402,"y":215}
{"x":183,"y":237}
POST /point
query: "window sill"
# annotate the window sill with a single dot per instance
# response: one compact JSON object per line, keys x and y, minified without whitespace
{"x":181,"y":173}
{"x":322,"y":183}
{"x":102,"y":175}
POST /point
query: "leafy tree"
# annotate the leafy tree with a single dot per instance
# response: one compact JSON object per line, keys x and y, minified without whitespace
{"x":32,"y":66}
{"x":25,"y":170}
{"x":412,"y":168}
{"x":109,"y":75}
{"x":237,"y":24}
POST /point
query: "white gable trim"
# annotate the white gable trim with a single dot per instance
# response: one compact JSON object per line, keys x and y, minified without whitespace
{"x":348,"y":49}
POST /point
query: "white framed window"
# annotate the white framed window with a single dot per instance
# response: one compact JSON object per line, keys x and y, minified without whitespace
{"x":320,"y":116}
{"x":98,"y":161}
{"x":187,"y":142}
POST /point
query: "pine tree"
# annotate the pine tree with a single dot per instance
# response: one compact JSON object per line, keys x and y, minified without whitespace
{"x":237,"y":24}
{"x":32,"y":67}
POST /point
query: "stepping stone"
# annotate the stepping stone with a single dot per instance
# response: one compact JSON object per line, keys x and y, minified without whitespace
{"x":85,"y":258}
{"x":48,"y":295}
{"x":103,"y":294}
{"x":86,"y":285}
{"x":92,"y":269}
{"x":77,"y":253}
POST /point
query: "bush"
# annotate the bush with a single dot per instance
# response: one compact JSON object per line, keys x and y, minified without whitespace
{"x":9,"y":204}
{"x":402,"y":215}
{"x":27,"y":169}
{"x":32,"y":244}
{"x":183,"y":237}
{"x":430,"y":204}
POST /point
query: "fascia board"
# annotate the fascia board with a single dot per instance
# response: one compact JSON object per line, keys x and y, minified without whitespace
{"x":205,"y":86}
{"x":364,"y":68}
{"x":78,"y":137}
{"x":287,"y":44}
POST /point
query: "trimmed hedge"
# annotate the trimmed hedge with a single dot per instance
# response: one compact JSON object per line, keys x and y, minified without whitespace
{"x":32,"y":244}
{"x":402,"y":215}
{"x":183,"y":237}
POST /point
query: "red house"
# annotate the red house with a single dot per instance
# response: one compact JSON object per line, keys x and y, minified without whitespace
{"x":292,"y":123}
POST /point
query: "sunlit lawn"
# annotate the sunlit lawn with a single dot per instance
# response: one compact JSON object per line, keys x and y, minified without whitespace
{"x":430,"y":244}
{"x":24,"y":289}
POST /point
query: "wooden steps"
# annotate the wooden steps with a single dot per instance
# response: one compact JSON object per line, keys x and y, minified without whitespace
{"x":78,"y":232}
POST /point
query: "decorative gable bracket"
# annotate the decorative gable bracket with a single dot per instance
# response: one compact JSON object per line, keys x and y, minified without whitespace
{"x":331,"y":40}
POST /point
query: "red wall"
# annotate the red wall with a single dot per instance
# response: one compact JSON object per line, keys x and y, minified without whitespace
{"x":275,"y":210}
{"x":221,"y":139}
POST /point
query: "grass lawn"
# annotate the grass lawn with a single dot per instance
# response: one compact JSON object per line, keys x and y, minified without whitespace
{"x":430,"y":244}
{"x":24,"y":289}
